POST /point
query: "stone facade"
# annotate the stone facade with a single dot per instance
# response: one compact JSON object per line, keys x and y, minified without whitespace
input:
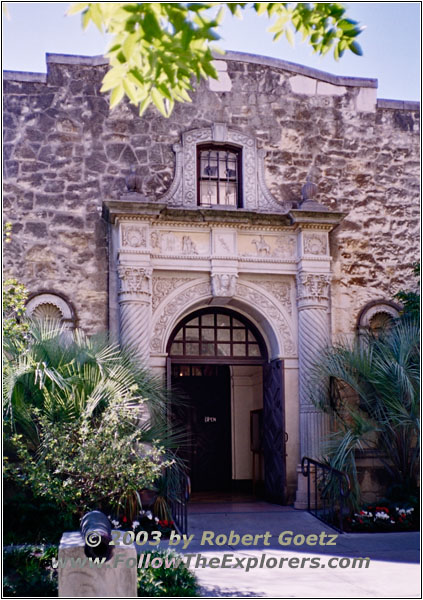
{"x":103,"y":207}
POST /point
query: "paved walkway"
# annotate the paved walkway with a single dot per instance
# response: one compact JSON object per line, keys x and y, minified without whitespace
{"x":392,"y":572}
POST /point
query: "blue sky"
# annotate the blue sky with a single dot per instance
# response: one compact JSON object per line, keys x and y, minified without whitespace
{"x":391,"y":42}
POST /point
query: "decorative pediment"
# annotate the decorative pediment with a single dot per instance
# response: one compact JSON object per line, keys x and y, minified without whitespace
{"x":183,"y":190}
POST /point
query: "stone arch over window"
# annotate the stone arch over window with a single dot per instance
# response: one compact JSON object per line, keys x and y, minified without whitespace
{"x":183,"y":190}
{"x":377,"y":315}
{"x":51,"y":306}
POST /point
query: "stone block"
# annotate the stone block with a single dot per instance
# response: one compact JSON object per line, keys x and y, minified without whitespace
{"x":303,"y":85}
{"x":80,"y":578}
{"x":366,"y":100}
{"x":223,"y":83}
{"x":327,"y":89}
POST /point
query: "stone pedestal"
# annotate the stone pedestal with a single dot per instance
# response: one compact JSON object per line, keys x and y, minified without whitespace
{"x":80,"y":578}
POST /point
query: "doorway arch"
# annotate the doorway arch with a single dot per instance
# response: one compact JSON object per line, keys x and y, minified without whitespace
{"x":204,"y":350}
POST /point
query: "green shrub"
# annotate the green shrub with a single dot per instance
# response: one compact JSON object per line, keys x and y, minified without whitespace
{"x":39,"y":521}
{"x":28,"y":572}
{"x":166,"y":582}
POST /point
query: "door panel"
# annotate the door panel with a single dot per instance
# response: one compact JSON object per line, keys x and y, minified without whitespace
{"x":274,"y":432}
{"x":206,"y":415}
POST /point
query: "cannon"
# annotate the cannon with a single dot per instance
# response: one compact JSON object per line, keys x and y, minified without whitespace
{"x":96,"y":531}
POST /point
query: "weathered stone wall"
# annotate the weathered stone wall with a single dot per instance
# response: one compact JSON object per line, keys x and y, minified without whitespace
{"x":65,"y":153}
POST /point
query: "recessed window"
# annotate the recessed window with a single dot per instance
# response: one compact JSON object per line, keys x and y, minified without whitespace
{"x":219,"y":175}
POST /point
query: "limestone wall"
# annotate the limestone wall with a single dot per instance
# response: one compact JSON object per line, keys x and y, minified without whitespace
{"x":65,"y":153}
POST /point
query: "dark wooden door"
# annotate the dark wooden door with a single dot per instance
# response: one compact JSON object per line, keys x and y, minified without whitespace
{"x":206,"y":415}
{"x":274,"y":432}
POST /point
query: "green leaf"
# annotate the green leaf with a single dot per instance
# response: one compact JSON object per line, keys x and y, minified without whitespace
{"x":290,"y":36}
{"x":356,"y":49}
{"x":116,"y":95}
{"x":158,"y":101}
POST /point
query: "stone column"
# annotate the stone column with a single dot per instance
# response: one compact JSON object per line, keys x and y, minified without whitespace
{"x":135,"y":309}
{"x":314,"y":335}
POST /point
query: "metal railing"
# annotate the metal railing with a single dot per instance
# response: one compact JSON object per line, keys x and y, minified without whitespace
{"x":178,"y":503}
{"x":330,"y":490}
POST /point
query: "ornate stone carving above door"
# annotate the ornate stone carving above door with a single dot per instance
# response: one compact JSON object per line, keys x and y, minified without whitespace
{"x":183,"y":190}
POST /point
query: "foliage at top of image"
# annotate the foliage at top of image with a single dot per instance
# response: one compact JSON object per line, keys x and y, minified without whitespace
{"x":157,"y":47}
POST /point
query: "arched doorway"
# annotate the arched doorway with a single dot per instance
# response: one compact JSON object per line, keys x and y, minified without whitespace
{"x":209,"y":352}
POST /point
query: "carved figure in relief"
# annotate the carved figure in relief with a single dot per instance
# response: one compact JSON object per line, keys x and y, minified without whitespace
{"x":188,"y":246}
{"x":155,"y":240}
{"x":285,"y":246}
{"x":262,"y":247}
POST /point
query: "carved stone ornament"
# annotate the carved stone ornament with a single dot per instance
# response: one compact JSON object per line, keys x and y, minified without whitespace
{"x":135,"y":280}
{"x":223,"y":285}
{"x":134,"y":236}
{"x":281,"y":290}
{"x":163,"y":286}
{"x":183,"y":190}
{"x":313,"y":286}
{"x":315,"y":243}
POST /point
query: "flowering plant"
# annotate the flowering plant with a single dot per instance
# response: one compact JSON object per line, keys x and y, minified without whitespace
{"x":382,"y":518}
{"x":144,"y":521}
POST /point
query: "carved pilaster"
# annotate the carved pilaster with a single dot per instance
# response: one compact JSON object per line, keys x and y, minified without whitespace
{"x":313,"y":337}
{"x":135,"y":309}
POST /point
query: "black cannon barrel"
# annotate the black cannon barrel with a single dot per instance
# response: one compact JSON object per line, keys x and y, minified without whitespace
{"x":96,"y":530}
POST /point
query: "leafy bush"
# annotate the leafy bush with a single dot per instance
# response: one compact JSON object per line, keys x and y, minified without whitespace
{"x":86,"y":427}
{"x":26,"y":518}
{"x":90,"y":462}
{"x":173,"y":582}
{"x":28,"y":572}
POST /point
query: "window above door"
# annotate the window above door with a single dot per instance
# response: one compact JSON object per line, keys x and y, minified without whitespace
{"x":219,"y":175}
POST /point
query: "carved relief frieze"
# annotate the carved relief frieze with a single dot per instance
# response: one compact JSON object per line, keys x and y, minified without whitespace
{"x":315,"y":243}
{"x":163,"y":286}
{"x":224,"y":243}
{"x":134,"y":236}
{"x":223,"y":284}
{"x":281,"y":246}
{"x":179,"y":243}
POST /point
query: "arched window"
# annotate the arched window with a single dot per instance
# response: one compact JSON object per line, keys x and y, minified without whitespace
{"x":219,"y":175}
{"x":217,"y":334}
{"x":51,"y":306}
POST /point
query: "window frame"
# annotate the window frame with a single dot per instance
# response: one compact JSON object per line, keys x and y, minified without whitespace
{"x":237,"y":150}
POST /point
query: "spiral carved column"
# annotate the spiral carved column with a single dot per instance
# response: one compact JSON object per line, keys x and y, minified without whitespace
{"x":313,"y":330}
{"x":135,"y":310}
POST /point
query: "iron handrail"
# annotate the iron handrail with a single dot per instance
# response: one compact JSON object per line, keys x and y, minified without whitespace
{"x":326,"y":513}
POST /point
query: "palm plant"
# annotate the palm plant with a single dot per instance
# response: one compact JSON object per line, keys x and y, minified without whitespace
{"x":374,"y":399}
{"x":61,"y":381}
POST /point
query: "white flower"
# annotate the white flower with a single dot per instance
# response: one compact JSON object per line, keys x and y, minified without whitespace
{"x":382,"y":515}
{"x":135,"y":524}
{"x":116,"y":524}
{"x":156,"y":519}
{"x":149,"y":514}
{"x":392,"y":521}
